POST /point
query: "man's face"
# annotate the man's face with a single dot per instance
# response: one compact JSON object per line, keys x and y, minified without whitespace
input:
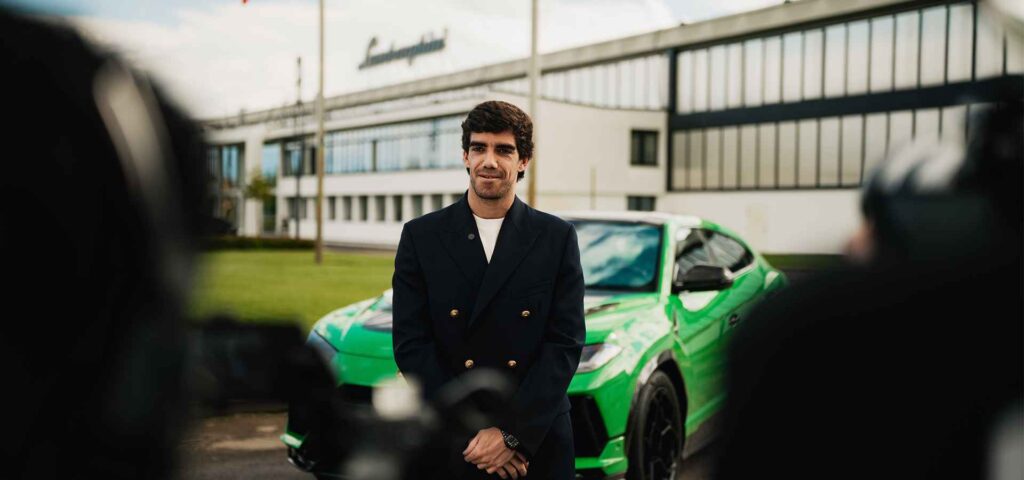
{"x":493,"y":162}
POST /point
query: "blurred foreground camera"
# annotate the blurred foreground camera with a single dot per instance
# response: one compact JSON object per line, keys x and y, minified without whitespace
{"x":337,"y":430}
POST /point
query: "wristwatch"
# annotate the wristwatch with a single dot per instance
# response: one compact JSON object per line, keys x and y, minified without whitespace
{"x":511,"y":442}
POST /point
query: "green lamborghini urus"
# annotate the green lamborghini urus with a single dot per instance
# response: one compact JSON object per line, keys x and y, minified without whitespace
{"x":664,"y":293}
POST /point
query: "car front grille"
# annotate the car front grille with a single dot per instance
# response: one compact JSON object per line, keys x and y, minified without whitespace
{"x":588,"y":431}
{"x":355,"y":394}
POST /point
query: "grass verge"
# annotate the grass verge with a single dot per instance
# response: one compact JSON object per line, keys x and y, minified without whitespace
{"x":276,"y":285}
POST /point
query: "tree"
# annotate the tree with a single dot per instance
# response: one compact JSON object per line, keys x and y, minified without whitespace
{"x":260,"y":187}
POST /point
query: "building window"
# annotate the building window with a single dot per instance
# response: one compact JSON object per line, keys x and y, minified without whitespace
{"x":271,"y":161}
{"x":297,"y":207}
{"x":380,"y":202}
{"x":640,"y":204}
{"x":432,"y":143}
{"x":417,"y":206}
{"x":643,"y":148}
{"x":364,"y":208}
{"x":332,"y":213}
{"x":398,"y":207}
{"x":226,"y":164}
{"x":292,"y":159}
{"x":309,"y":167}
{"x":346,"y":208}
{"x":436,"y":201}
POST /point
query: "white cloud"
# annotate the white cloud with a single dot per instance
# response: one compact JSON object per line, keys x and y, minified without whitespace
{"x":227,"y":57}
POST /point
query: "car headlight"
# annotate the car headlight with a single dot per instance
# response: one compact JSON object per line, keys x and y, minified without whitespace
{"x":596,"y":356}
{"x":321,"y":346}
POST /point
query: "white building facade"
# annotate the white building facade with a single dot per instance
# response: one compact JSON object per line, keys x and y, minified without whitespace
{"x":765,"y":122}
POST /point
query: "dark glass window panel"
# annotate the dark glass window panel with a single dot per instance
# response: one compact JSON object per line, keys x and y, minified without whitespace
{"x":380,"y":204}
{"x":398,"y":207}
{"x":417,"y":205}
{"x":640,"y":204}
{"x":643,"y":148}
{"x":728,"y":253}
{"x":690,"y":251}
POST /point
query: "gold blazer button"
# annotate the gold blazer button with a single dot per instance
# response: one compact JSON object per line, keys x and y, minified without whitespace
{"x":526,"y":313}
{"x":454,"y":313}
{"x":469,"y":363}
{"x":512,"y":364}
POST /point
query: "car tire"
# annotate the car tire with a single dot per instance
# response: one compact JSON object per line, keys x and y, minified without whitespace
{"x":655,"y":443}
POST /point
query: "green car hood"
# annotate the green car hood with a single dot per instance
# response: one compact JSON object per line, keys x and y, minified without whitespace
{"x":608,"y":313}
{"x":364,"y":328}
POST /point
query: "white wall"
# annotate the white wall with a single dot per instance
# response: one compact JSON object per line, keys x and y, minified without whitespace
{"x":818,"y":221}
{"x":574,"y":141}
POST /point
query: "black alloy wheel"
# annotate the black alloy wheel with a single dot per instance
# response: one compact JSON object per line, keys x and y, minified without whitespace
{"x":656,"y":440}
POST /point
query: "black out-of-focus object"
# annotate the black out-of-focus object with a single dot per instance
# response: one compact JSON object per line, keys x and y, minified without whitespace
{"x":219,"y":226}
{"x":344,"y":434}
{"x":934,"y":201}
{"x":347,"y":438}
{"x":252,"y":362}
{"x":101,"y":197}
{"x":906,"y":367}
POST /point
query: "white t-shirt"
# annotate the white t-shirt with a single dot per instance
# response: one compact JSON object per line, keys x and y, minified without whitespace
{"x":488,"y":228}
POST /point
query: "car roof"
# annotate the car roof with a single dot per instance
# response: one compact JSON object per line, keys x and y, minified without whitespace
{"x":656,"y":218}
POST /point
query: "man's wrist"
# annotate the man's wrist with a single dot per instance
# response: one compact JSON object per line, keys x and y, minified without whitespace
{"x":510,"y":440}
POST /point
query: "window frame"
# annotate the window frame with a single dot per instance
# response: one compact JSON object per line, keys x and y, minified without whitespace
{"x":637,"y":150}
{"x":631,"y":198}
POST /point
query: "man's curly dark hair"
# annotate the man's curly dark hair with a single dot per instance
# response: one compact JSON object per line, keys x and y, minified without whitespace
{"x":496,"y":117}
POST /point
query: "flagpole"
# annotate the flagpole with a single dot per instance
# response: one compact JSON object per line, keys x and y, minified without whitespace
{"x":319,"y":256}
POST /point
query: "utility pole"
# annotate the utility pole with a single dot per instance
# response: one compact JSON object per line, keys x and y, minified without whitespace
{"x":302,"y":145}
{"x":593,"y":187}
{"x":531,"y":177}
{"x":319,"y":255}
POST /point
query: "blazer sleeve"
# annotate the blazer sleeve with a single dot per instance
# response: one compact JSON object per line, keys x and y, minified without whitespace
{"x":536,"y":402}
{"x":412,"y":335}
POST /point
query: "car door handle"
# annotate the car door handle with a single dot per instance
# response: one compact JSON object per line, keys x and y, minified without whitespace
{"x":733,"y":320}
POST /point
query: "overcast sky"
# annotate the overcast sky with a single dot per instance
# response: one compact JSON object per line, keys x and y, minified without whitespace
{"x":219,"y":56}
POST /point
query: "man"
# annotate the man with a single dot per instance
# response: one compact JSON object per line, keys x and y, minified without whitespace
{"x":490,"y":282}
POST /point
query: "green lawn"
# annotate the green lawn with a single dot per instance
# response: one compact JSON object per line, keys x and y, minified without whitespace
{"x":803,"y":261}
{"x":275,"y":285}
{"x":269,"y":285}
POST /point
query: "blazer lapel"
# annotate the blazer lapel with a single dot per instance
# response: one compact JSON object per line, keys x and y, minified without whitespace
{"x":514,"y":241}
{"x":462,"y":241}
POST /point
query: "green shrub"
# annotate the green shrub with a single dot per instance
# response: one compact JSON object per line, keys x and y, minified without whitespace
{"x":255,"y":243}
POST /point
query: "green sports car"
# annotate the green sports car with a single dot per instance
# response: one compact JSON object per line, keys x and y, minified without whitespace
{"x":663,"y":294}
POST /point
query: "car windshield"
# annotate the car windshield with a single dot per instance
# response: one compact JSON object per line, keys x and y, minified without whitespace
{"x":619,"y":255}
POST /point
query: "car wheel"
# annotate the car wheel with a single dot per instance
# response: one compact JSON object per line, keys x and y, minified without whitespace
{"x":656,"y":439}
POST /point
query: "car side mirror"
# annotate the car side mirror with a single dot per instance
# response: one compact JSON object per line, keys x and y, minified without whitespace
{"x":703,"y":278}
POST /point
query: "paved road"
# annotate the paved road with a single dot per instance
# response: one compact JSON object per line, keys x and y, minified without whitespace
{"x":240,"y":446}
{"x":245,"y":446}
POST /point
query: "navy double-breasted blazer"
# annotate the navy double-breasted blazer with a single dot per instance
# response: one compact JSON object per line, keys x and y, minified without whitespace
{"x":521,"y":314}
